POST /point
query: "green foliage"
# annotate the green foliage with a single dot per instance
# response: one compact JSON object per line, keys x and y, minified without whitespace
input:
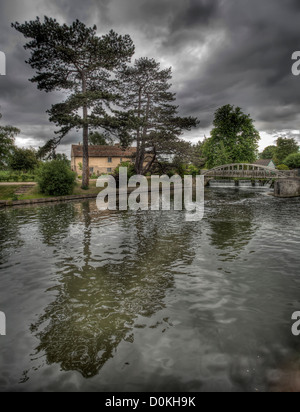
{"x":7,"y":143}
{"x":75,"y":59}
{"x":62,"y":158}
{"x":283,"y":167}
{"x":268,"y":153}
{"x":24,"y":160}
{"x":56,"y":179}
{"x":99,"y":139}
{"x":8,"y":176}
{"x":192,"y":170}
{"x":130,"y":169}
{"x":152,"y":115}
{"x":234,"y":138}
{"x":198,"y":156}
{"x":293,"y":161}
{"x":285,"y":147}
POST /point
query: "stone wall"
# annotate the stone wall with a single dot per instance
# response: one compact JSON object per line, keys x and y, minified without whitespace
{"x":287,"y":187}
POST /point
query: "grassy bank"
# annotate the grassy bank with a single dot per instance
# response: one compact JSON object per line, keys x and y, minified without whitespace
{"x":8,"y":192}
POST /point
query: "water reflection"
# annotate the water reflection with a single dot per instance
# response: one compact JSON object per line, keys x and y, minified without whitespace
{"x":232,"y":225}
{"x":146,"y":301}
{"x":101,"y":294}
{"x":54,"y":222}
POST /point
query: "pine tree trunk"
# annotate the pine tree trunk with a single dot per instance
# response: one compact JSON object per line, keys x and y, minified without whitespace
{"x":85,"y":143}
{"x":142,"y":151}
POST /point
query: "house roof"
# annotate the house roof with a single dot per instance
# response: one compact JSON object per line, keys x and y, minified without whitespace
{"x":263,"y":162}
{"x":104,"y":151}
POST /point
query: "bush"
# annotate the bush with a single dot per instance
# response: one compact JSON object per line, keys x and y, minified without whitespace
{"x":283,"y":167}
{"x":56,"y":179}
{"x":23,"y":160}
{"x":192,"y":170}
{"x":130,"y":169}
{"x":293,"y":161}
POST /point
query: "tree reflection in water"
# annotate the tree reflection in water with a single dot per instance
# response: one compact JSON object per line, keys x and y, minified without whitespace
{"x":120,"y":271}
{"x":232,"y":227}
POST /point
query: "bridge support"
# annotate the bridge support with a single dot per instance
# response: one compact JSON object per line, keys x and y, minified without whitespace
{"x":287,"y":188}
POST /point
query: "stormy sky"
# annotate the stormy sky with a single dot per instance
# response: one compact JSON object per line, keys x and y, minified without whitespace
{"x":221,"y":51}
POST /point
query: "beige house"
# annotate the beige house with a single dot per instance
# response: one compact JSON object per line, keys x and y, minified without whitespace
{"x":102,"y":159}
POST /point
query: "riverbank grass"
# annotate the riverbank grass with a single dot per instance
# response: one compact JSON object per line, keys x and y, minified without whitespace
{"x":7,"y":193}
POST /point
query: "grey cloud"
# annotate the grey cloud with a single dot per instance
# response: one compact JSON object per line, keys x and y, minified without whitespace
{"x":221,"y":51}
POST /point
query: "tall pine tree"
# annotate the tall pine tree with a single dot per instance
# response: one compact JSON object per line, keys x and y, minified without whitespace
{"x":152,"y":115}
{"x":73,"y":58}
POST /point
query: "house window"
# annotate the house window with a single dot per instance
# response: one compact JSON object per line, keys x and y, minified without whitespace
{"x":109,"y":170}
{"x":110,"y":160}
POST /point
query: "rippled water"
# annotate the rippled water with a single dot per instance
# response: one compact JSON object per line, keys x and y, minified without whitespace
{"x":148,"y":302}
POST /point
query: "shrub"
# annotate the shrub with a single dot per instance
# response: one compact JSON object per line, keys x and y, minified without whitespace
{"x":23,"y":160}
{"x":56,"y":179}
{"x":130,"y":171}
{"x":293,"y":161}
{"x":192,"y":170}
{"x":283,"y":167}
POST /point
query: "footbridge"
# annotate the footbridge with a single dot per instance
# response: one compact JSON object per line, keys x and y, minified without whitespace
{"x":245,"y":170}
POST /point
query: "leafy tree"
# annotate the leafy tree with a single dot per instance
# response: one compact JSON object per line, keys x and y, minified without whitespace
{"x":198,"y":154}
{"x":7,"y":143}
{"x":130,"y":171}
{"x":73,"y":58}
{"x":285,"y":147}
{"x":99,"y":139}
{"x":152,"y":116}
{"x":234,"y":138}
{"x":56,"y":179}
{"x":63,"y":158}
{"x":268,"y":153}
{"x":283,"y":167}
{"x":293,"y":161}
{"x":24,"y":160}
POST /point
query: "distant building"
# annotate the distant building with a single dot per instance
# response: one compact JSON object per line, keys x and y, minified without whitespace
{"x":266,"y":162}
{"x":102,"y":159}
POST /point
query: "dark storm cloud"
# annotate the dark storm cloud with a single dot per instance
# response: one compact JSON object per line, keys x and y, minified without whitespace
{"x":221,"y":51}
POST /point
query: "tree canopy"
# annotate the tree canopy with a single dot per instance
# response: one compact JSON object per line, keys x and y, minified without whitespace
{"x":99,"y":139}
{"x":75,"y":59}
{"x":268,"y":153}
{"x":7,"y":143}
{"x":293,"y":161}
{"x":24,"y":160}
{"x":284,"y":148}
{"x":149,"y":112}
{"x":234,"y":138}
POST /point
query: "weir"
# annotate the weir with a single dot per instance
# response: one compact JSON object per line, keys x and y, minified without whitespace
{"x":222,"y":183}
{"x":242,"y":184}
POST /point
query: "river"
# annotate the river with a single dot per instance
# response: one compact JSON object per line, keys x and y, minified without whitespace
{"x":145,"y":301}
